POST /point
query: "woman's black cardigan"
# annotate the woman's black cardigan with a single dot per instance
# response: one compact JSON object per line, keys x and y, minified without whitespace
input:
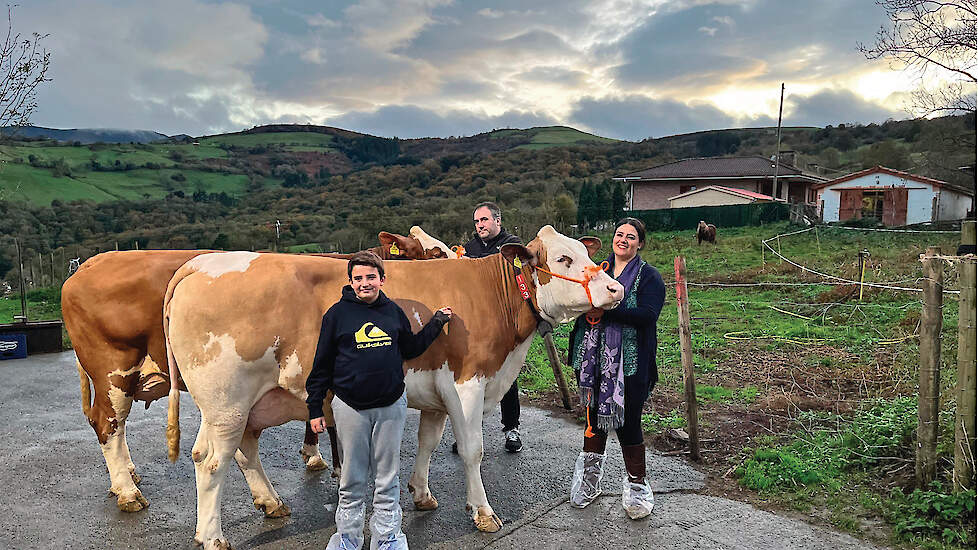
{"x":651,"y":296}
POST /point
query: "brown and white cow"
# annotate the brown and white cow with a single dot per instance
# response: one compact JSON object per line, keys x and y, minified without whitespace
{"x":113,"y":312}
{"x":245,"y":361}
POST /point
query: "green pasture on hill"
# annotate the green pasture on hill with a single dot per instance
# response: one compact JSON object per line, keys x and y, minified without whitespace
{"x":20,"y":182}
{"x":551,"y":136}
{"x":305,"y":140}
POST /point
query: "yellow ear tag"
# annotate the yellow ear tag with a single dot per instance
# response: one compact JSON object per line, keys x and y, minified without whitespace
{"x":394,"y":249}
{"x":517,"y":263}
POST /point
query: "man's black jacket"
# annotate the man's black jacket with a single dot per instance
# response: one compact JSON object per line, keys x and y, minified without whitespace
{"x":477,"y":248}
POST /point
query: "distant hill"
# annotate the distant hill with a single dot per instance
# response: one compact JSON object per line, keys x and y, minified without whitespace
{"x":84,"y":135}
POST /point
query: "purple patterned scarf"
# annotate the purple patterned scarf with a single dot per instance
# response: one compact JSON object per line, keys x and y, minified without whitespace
{"x":599,"y":360}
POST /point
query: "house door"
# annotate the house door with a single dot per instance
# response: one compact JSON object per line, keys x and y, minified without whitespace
{"x":850,"y":204}
{"x":895,"y":206}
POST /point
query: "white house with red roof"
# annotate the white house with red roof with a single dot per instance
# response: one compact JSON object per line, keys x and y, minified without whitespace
{"x":717,"y":195}
{"x":892,"y":197}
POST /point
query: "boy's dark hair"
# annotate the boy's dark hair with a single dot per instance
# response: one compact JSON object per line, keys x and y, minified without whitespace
{"x":637,"y":224}
{"x":366,"y":258}
{"x":493,"y":209}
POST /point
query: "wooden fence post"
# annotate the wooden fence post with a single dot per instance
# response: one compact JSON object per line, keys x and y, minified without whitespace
{"x":686,"y":345}
{"x":930,"y":368}
{"x":964,"y":425}
{"x":555,"y":363}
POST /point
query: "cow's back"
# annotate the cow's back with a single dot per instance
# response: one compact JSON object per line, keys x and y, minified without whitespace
{"x":259,"y":308}
{"x":112,"y":306}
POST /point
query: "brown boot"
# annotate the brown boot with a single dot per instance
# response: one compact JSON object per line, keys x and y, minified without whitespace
{"x":595,"y":443}
{"x":634,"y":456}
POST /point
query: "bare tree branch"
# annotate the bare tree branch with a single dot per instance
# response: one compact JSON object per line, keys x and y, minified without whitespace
{"x":24,"y":63}
{"x":930,"y":34}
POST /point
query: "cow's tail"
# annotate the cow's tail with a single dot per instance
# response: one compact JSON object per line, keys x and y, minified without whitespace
{"x":86,"y":389}
{"x":173,"y":407}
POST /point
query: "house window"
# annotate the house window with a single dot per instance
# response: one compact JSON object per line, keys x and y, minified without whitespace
{"x":873,"y":204}
{"x":686,"y":188}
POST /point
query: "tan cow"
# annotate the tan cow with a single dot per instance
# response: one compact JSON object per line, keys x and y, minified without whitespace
{"x":245,"y":362}
{"x":113,"y":312}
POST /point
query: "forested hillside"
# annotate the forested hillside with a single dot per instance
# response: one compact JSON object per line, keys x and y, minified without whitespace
{"x":334,"y":189}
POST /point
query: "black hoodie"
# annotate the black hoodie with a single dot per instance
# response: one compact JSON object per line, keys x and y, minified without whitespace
{"x":361,"y":351}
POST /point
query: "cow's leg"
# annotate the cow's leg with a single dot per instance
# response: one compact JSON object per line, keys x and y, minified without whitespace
{"x":310,"y":451}
{"x":212,"y":453}
{"x":108,"y":418}
{"x":468,"y":434}
{"x":430,"y":430}
{"x":265,"y":497}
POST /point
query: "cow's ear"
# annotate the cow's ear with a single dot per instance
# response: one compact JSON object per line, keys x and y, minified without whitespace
{"x":392,"y":240}
{"x":511,"y":251}
{"x":592,"y":244}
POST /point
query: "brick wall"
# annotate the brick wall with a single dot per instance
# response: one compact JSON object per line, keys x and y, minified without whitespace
{"x":653,"y":196}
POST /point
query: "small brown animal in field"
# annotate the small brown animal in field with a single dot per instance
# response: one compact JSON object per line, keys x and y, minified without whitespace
{"x":706,"y":232}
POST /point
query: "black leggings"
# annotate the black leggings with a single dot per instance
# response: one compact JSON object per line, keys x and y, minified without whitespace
{"x":630,"y":433}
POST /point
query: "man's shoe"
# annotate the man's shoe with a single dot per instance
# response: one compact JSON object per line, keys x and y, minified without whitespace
{"x":513,"y":442}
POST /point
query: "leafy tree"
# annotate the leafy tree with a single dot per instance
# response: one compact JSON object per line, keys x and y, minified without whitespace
{"x":887,"y":153}
{"x":602,"y":204}
{"x":617,"y":201}
{"x":585,"y":205}
{"x":714,"y":144}
{"x":222,"y":242}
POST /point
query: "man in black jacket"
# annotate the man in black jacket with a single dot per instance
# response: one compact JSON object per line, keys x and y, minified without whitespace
{"x":363,"y":341}
{"x":489,"y":237}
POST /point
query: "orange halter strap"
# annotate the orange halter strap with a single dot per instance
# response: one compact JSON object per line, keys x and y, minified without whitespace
{"x":589,"y":274}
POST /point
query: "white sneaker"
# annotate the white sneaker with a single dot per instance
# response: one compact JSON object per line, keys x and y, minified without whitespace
{"x":586,"y":483}
{"x":637,"y":499}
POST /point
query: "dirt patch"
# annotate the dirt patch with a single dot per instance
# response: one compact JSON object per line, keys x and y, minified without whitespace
{"x":789,"y":381}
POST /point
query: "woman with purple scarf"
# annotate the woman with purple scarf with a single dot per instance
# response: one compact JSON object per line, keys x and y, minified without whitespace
{"x":615,"y":365}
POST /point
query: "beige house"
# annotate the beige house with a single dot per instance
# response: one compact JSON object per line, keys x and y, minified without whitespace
{"x":716,"y":195}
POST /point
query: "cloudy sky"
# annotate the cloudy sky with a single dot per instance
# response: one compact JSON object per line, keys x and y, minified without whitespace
{"x":627,"y":69}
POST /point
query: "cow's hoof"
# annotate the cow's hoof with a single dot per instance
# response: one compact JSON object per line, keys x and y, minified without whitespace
{"x":275,"y":509}
{"x":132,"y":503}
{"x":316,"y":464}
{"x":488,"y":523}
{"x":217,"y":544}
{"x":427,"y":503}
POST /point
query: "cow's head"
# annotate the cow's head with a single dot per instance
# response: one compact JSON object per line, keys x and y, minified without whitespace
{"x":559,"y":299}
{"x":433,"y":248}
{"x":399,"y":246}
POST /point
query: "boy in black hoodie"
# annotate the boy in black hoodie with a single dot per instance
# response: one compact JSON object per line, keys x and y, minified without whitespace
{"x":362,"y":344}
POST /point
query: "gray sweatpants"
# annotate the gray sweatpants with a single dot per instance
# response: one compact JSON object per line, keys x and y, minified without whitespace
{"x":370,"y":441}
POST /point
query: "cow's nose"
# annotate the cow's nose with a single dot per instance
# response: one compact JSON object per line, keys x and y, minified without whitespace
{"x":616,"y":290}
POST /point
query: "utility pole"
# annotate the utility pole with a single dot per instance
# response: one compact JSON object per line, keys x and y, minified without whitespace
{"x":777,"y":152}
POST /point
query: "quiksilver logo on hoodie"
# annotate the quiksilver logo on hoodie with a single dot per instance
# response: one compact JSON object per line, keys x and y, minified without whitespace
{"x":371,"y":336}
